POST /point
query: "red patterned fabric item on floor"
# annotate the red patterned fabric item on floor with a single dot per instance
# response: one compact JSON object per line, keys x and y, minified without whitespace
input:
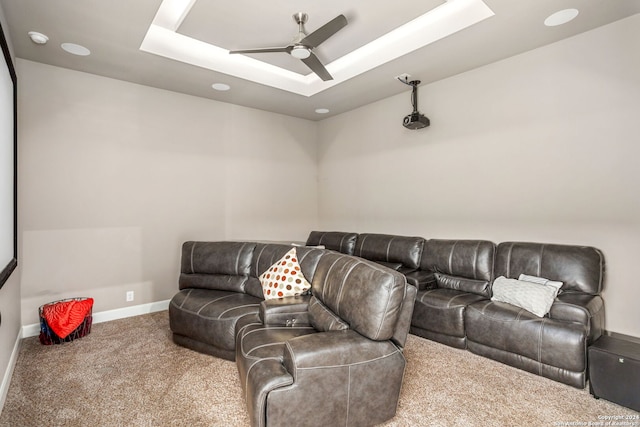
{"x":64,"y":317}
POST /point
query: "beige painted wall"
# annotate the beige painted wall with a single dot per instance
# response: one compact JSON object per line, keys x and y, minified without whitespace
{"x":114,"y":177}
{"x":9,"y":299}
{"x":539,"y":147}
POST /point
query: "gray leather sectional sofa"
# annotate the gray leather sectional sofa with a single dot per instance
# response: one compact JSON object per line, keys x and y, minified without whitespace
{"x":339,"y":348}
{"x":454,"y":306}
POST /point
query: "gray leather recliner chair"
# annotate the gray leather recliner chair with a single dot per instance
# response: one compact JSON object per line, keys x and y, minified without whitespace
{"x":338,"y":351}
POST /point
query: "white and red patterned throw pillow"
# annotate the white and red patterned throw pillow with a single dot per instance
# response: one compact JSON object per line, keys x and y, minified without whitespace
{"x":284,"y":278}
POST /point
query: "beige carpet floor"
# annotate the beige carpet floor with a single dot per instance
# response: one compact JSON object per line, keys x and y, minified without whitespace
{"x":128,"y":372}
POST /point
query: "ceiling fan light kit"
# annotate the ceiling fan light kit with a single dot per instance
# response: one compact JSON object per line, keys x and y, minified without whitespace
{"x":303,"y":44}
{"x":300,"y":52}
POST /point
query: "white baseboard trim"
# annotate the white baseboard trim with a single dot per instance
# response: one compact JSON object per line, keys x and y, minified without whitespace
{"x":8,"y":373}
{"x":33,"y":330}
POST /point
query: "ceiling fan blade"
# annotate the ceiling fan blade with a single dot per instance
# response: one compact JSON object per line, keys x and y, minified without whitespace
{"x":316,"y":66}
{"x":324,"y":32}
{"x":263,"y":50}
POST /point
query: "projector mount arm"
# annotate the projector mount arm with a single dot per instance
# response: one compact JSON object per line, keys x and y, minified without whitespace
{"x":414,"y":92}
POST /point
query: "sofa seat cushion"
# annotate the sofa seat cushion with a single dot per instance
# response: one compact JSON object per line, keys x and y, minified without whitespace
{"x":210,"y":316}
{"x":515,"y":330}
{"x":442,"y":310}
{"x":346,"y":378}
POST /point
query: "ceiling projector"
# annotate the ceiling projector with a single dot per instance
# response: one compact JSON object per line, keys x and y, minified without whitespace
{"x":415,"y":120}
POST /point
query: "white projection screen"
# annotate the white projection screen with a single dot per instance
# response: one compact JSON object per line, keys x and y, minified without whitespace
{"x":8,"y":165}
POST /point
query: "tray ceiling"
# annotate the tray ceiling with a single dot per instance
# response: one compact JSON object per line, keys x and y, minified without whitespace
{"x":181,"y":45}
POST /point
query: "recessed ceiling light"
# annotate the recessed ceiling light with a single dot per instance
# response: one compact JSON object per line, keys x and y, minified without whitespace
{"x":38,"y":38}
{"x":322,"y":110}
{"x":561,"y":17}
{"x":222,"y":87}
{"x":76,"y":49}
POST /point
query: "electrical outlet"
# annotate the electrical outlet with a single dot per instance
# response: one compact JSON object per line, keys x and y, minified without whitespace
{"x":129,"y":296}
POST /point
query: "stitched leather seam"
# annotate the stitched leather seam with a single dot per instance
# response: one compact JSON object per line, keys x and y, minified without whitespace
{"x":509,"y":260}
{"x":344,"y":280}
{"x":451,"y":257}
{"x":540,"y":345}
{"x":324,"y":281}
{"x":278,"y":385}
{"x":388,"y":249}
{"x":341,"y":241}
{"x":301,"y":258}
{"x":285,"y":313}
{"x":293,"y":360}
{"x":237,"y":307}
{"x":583,"y":309}
{"x":186,"y":297}
{"x":437,"y":306}
{"x":492,"y":273}
{"x":451,"y":300}
{"x":273,"y":328}
{"x":362,"y":362}
{"x":520,"y":313}
{"x":540,"y":261}
{"x":245,"y":327}
{"x":258,"y":261}
{"x":271,"y":344}
{"x":386,"y":309}
{"x":601,"y":278}
{"x":517,"y":319}
{"x":262,"y":399}
{"x":475,"y":261}
{"x":207,"y":317}
{"x":362,"y":244}
{"x":348,"y":396}
{"x":213,"y":301}
{"x":198,"y":312}
{"x":191,"y":257}
{"x":445,"y":308}
{"x":238,"y":259}
{"x":524,"y":358}
{"x":244,"y":353}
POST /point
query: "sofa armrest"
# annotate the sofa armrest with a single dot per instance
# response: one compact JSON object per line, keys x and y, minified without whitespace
{"x":334,"y":349}
{"x":341,"y":375}
{"x":288,"y":311}
{"x":588,"y":310}
{"x":422,"y":279}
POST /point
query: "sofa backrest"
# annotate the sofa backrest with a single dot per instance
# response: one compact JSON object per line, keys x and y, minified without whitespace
{"x":334,"y":240}
{"x":215,"y":265}
{"x":266,"y":254}
{"x":465,"y":265}
{"x":400,"y":253}
{"x":361,"y":295}
{"x":580,"y":268}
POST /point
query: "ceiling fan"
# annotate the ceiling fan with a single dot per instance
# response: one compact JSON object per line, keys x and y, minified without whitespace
{"x":302,"y":45}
